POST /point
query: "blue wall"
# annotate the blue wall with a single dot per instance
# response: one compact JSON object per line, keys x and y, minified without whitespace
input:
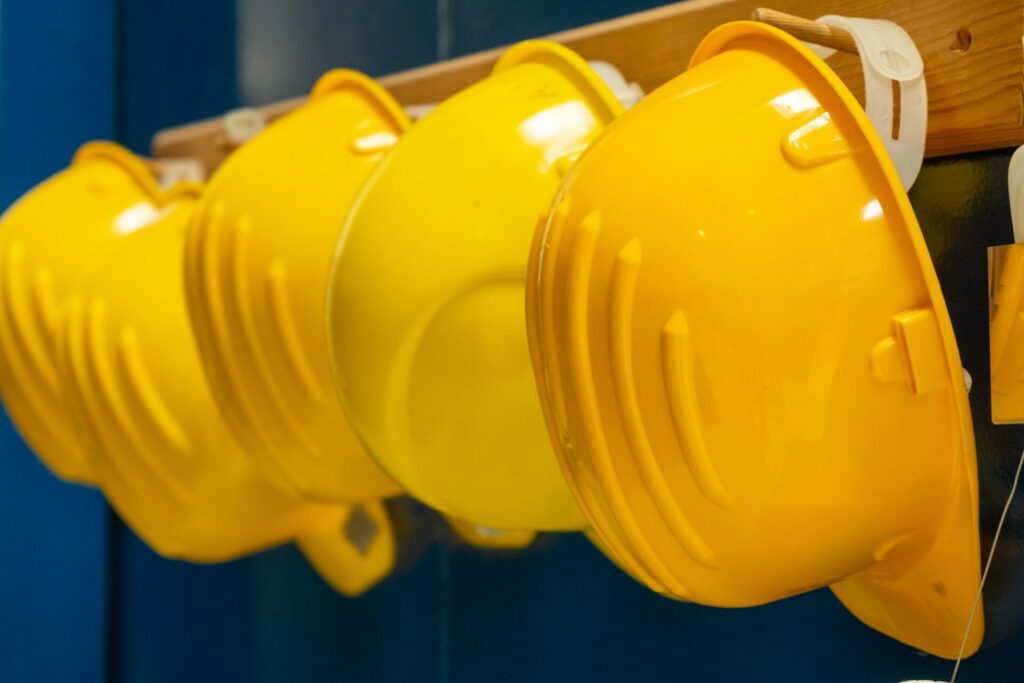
{"x":56,"y":91}
{"x":559,"y":611}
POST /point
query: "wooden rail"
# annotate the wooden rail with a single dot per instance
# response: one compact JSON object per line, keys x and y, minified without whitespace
{"x":972,"y":51}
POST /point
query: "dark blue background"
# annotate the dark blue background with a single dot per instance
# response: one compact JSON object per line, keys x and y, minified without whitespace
{"x":82,"y":599}
{"x":56,"y":89}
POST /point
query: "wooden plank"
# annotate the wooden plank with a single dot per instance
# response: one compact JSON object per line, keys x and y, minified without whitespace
{"x":972,"y":50}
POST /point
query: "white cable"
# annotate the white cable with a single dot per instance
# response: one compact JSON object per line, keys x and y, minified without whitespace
{"x":988,"y":565}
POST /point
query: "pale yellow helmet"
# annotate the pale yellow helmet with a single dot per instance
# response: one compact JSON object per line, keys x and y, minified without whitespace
{"x":426,"y":297}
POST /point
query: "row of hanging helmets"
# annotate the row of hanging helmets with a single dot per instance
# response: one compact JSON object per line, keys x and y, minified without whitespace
{"x":735,"y":370}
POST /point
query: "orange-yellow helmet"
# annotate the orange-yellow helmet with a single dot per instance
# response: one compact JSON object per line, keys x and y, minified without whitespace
{"x":100,"y":373}
{"x":258,"y":256}
{"x":158,"y":445}
{"x":1006,"y":308}
{"x":55,"y":232}
{"x":745,"y":360}
{"x":1006,"y":334}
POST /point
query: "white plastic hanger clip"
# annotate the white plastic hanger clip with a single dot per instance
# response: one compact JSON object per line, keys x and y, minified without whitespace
{"x":888,"y":54}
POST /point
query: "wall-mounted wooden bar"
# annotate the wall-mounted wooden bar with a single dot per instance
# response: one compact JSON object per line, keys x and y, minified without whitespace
{"x":972,"y":50}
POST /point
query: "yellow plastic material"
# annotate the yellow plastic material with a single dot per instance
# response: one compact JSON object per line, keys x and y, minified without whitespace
{"x":101,"y":374}
{"x":258,"y":256}
{"x":1006,"y":334}
{"x":426,"y":298}
{"x":47,"y":239}
{"x":745,"y":360}
{"x":486,"y":537}
{"x":161,"y":449}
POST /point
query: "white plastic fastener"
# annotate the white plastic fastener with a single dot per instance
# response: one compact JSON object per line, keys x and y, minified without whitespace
{"x":887,"y":54}
{"x":1016,"y":183}
{"x":241,"y":125}
{"x":182,"y":169}
{"x":626,"y":92}
{"x":418,"y":111}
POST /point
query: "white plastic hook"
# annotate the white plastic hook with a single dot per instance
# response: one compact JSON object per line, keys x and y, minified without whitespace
{"x":177,"y":170}
{"x":887,"y":54}
{"x":1016,"y":184}
{"x":626,"y":92}
{"x":418,"y":111}
{"x":241,"y":125}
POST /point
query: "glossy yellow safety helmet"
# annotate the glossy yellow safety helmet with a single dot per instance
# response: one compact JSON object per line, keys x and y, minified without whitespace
{"x":746,"y":363}
{"x":426,"y":298}
{"x":156,"y":441}
{"x":258,"y":256}
{"x":1006,"y":309}
{"x":47,"y":239}
{"x":1006,"y":334}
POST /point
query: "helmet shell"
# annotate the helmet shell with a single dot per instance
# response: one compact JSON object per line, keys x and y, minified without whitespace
{"x":258,"y":256}
{"x":427,"y":293}
{"x":745,"y":360}
{"x":49,"y":238}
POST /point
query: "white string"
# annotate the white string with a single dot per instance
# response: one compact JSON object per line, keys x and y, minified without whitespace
{"x":988,"y":565}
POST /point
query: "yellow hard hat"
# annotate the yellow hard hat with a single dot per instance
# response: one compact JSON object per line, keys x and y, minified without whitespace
{"x":1006,"y":309}
{"x":425,"y":311}
{"x":47,"y":239}
{"x":1006,"y":334}
{"x":158,"y":445}
{"x":136,"y":397}
{"x":258,"y":256}
{"x":745,"y":360}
